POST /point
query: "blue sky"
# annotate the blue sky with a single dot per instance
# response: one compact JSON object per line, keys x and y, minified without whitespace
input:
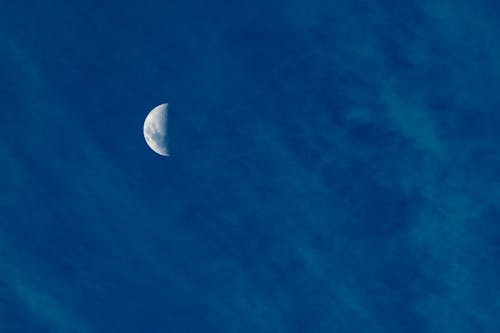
{"x":333,"y":167}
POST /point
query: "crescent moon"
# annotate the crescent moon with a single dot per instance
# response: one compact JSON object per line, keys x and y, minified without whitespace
{"x":155,"y":129}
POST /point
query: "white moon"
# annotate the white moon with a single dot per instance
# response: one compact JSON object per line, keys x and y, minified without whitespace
{"x":155,"y":129}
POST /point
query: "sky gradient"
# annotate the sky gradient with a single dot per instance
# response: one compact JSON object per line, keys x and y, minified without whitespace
{"x":334,"y":167}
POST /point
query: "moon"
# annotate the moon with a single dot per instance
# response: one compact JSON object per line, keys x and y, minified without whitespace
{"x":155,"y":129}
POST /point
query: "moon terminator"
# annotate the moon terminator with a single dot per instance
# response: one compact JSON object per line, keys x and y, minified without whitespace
{"x":155,"y":129}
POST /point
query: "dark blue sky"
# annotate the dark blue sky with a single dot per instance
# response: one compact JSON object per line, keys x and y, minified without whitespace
{"x":334,"y":167}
